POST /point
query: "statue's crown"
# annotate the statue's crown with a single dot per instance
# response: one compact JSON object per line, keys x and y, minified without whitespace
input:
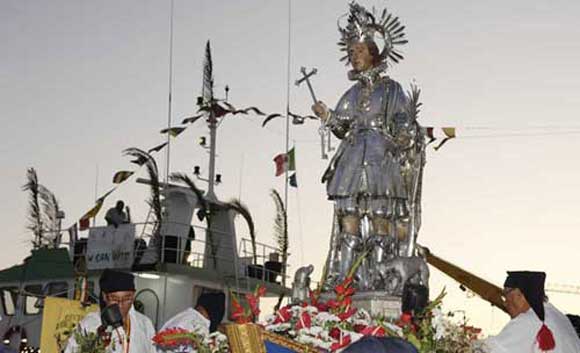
{"x":363,"y":25}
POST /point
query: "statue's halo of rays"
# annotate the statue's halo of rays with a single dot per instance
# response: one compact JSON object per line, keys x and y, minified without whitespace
{"x":380,"y":27}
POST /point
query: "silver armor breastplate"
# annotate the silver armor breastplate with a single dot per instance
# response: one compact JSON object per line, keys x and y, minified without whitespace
{"x":365,"y":106}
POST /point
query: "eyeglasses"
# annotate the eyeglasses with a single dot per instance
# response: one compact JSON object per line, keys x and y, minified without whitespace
{"x":120,"y":300}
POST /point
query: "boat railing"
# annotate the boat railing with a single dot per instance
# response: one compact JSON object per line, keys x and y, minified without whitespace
{"x":193,"y":250}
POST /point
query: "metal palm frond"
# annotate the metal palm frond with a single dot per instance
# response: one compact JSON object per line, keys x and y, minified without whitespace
{"x":52,"y":210}
{"x":154,"y":200}
{"x":281,"y":237}
{"x":207,"y":88}
{"x":35,"y":223}
{"x":243,"y":210}
{"x":281,"y":229}
{"x":185,"y":179}
{"x":414,"y":105}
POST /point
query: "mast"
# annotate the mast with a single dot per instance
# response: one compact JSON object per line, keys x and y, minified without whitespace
{"x":167,"y":156}
{"x":208,"y":100}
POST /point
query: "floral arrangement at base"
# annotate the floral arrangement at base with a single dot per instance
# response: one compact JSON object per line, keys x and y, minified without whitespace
{"x":92,"y":342}
{"x":335,"y":324}
{"x":181,"y":340}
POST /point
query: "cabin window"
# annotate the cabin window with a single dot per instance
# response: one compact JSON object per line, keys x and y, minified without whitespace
{"x":33,"y":299}
{"x":9,"y":300}
{"x":57,"y":289}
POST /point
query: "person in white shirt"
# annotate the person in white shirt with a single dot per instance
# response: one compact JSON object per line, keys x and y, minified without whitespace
{"x":118,"y":288}
{"x":536,"y":325}
{"x":204,"y":318}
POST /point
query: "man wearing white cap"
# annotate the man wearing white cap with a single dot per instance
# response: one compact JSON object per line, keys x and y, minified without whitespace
{"x":536,"y":325}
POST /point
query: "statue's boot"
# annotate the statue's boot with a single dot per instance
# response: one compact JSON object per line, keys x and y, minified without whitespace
{"x":379,"y":245}
{"x":349,"y":250}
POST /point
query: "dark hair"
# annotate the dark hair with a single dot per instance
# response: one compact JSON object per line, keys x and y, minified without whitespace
{"x":374,"y":51}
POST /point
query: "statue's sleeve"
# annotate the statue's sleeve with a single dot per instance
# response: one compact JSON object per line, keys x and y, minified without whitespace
{"x":341,"y":118}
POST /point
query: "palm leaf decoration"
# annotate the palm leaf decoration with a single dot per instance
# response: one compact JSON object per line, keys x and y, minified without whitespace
{"x":414,"y":105}
{"x":207,"y":88}
{"x":281,"y":229}
{"x":35,"y":222}
{"x":243,"y":210}
{"x":51,"y":209}
{"x":281,"y":236}
{"x":154,"y":200}
{"x":205,"y":210}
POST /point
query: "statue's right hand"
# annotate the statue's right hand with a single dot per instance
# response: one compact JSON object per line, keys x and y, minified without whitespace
{"x":321,"y":110}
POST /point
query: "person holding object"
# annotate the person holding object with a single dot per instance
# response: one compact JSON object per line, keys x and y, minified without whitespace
{"x":135,"y":330}
{"x":365,"y":177}
{"x":535,"y":325}
{"x":116,"y":216}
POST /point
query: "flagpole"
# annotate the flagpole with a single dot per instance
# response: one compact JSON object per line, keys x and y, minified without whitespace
{"x":287,"y":105}
{"x":170,"y":98}
{"x":96,"y":191}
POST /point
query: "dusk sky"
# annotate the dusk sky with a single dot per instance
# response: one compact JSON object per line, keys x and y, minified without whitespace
{"x":82,"y":80}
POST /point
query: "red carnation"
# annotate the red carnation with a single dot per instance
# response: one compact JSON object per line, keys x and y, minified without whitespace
{"x":342,"y":342}
{"x":348,"y":313}
{"x":304,"y":322}
{"x":283,"y":315}
{"x":334,"y":333}
{"x":373,"y":331}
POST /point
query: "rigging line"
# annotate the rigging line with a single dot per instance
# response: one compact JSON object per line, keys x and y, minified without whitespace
{"x":170,"y":98}
{"x":288,"y":58}
{"x":560,"y":133}
{"x":521,"y":128}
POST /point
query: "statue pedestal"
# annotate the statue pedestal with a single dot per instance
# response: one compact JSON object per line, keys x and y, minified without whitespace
{"x":377,"y":303}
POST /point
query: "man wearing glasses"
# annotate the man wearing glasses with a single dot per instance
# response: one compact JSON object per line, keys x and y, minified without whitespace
{"x":536,"y":325}
{"x":136,"y":331}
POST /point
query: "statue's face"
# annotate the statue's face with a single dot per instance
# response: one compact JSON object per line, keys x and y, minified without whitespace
{"x":360,"y":57}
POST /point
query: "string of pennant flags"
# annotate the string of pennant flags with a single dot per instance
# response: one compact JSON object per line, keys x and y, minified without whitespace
{"x":283,"y":161}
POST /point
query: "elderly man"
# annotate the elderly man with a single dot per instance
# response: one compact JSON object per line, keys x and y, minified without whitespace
{"x":536,"y":325}
{"x":136,"y":331}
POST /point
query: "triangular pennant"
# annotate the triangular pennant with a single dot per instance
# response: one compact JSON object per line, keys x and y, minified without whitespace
{"x":281,"y":163}
{"x":121,"y":176}
{"x":430,"y":135}
{"x":449,"y":133}
{"x":173,"y":131}
{"x":157,"y":148}
{"x":292,"y":180}
{"x":291,"y":159}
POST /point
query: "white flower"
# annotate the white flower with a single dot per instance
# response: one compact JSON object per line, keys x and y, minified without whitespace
{"x":324,"y":317}
{"x":270,"y":318}
{"x":278,"y":327}
{"x":311,"y":309}
{"x":395,"y":328}
{"x":314,"y":341}
{"x":439,"y":323}
{"x":313,"y":330}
